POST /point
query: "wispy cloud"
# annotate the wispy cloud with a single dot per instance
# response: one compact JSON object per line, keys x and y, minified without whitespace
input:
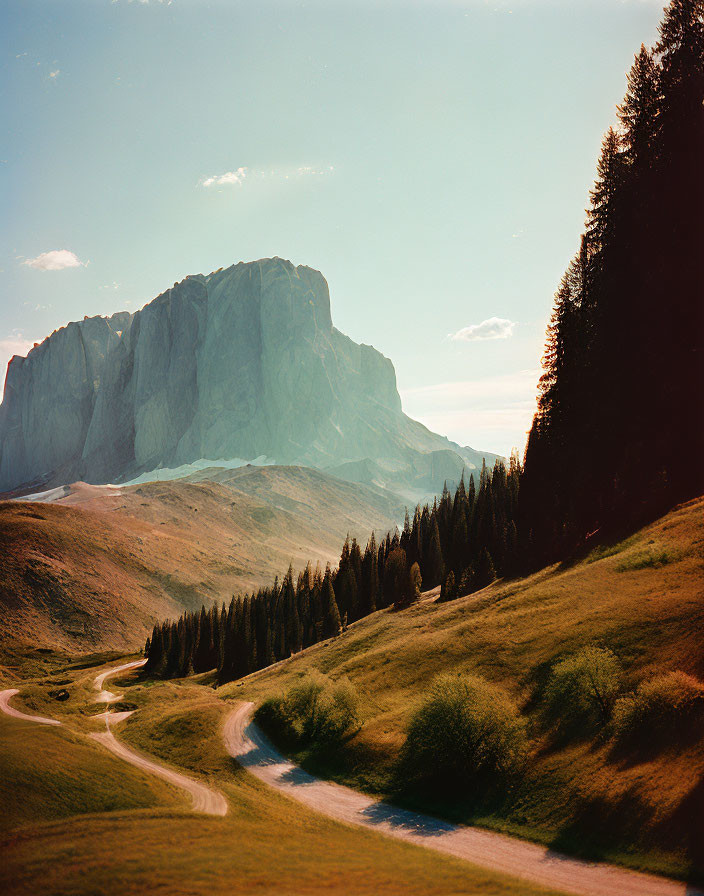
{"x":237,"y":176}
{"x":36,"y":307}
{"x":56,"y":260}
{"x":55,"y":74}
{"x":492,"y":413}
{"x":493,"y":328}
{"x":229,"y":178}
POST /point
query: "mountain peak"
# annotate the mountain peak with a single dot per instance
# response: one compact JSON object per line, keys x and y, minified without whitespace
{"x":238,"y":363}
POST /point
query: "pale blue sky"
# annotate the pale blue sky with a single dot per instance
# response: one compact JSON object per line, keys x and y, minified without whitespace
{"x":432,"y":159}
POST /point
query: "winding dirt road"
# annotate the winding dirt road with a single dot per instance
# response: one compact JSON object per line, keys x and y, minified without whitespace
{"x":205,"y":800}
{"x":16,"y":714}
{"x":518,"y":858}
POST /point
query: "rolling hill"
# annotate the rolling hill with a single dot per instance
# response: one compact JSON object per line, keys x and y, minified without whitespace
{"x":89,"y":567}
{"x":642,"y":598}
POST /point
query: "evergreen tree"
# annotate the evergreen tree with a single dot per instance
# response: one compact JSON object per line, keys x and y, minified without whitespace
{"x":434,"y":567}
{"x":484,"y":574}
{"x":332,"y":624}
{"x":448,"y":590}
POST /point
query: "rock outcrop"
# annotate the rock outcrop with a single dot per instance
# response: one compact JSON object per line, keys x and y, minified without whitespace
{"x":241,"y":363}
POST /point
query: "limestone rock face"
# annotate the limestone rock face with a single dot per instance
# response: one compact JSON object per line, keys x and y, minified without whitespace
{"x":241,"y":363}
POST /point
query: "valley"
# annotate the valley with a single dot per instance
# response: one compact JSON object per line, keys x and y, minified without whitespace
{"x":511,"y":632}
{"x":68,"y":845}
{"x":270,"y":623}
{"x":93,"y":568}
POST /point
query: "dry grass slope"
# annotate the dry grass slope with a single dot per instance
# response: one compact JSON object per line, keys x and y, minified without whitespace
{"x":138,"y":840}
{"x":643,"y":599}
{"x":96,"y":569}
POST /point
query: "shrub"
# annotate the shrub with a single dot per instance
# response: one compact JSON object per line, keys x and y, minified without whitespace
{"x":313,"y":712}
{"x":338,"y":713}
{"x":301,"y":705}
{"x":663,"y":704}
{"x":272,"y":717}
{"x":466,"y":731}
{"x":582,"y":688}
{"x":645,"y":561}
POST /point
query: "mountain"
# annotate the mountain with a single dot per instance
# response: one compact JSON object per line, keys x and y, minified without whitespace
{"x":88,"y":567}
{"x":241,"y":364}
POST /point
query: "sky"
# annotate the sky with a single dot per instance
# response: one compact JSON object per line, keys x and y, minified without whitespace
{"x":433,"y":158}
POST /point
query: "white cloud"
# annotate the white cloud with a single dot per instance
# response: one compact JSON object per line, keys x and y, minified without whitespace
{"x":55,"y":74}
{"x":493,"y":328}
{"x":56,"y":260}
{"x":228,"y":178}
{"x":236,"y":177}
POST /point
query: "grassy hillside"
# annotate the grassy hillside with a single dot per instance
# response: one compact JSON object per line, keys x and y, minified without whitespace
{"x":111,"y":830}
{"x":71,"y":776}
{"x":642,"y":598}
{"x":94,"y":569}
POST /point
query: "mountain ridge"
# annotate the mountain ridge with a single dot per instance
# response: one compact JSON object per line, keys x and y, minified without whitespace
{"x":242,"y":362}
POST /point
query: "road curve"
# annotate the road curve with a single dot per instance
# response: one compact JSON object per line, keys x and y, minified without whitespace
{"x":109,"y":673}
{"x":205,"y":800}
{"x":518,"y":858}
{"x":15,"y":713}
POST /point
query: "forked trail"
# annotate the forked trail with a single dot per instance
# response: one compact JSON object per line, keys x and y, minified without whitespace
{"x":486,"y":849}
{"x":205,"y":800}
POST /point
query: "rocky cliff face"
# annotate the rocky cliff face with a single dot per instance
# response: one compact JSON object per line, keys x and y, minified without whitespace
{"x":241,"y":363}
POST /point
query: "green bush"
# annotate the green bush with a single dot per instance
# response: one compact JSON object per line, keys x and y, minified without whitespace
{"x":272,"y":717}
{"x":582,"y":688}
{"x":338,"y":713}
{"x":301,"y":706}
{"x":467,"y":731}
{"x":664,"y":704}
{"x":315,"y":711}
{"x":646,"y":561}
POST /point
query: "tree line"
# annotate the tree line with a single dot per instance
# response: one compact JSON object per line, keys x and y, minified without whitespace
{"x":461,"y":543}
{"x":619,"y":433}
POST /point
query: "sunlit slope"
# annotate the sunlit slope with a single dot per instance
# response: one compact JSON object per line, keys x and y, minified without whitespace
{"x":643,"y":599}
{"x":95,"y":569}
{"x":111,"y":830}
{"x":49,"y":773}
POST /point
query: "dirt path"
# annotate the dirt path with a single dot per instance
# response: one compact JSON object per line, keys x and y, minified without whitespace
{"x":497,"y":852}
{"x":16,"y":714}
{"x":205,"y":800}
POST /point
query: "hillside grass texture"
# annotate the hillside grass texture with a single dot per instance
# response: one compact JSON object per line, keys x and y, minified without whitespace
{"x":642,"y":598}
{"x":81,"y":822}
